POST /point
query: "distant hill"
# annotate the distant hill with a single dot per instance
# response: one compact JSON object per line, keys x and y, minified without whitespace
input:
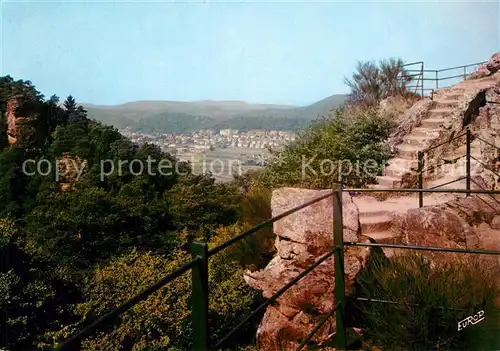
{"x":175,"y":116}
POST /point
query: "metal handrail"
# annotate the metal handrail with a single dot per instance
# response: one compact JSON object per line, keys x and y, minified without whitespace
{"x":87,"y":331}
{"x":425,"y":248}
{"x":107,"y":318}
{"x":317,"y":327}
{"x":421,"y":73}
{"x":266,"y":223}
{"x":463,"y":66}
{"x":448,"y":183}
{"x":487,"y":167}
{"x":481,"y":187}
{"x":366,"y":299}
{"x":444,"y":142}
{"x":487,"y":142}
{"x":199,"y":264}
{"x":275,"y":297}
{"x":432,"y":167}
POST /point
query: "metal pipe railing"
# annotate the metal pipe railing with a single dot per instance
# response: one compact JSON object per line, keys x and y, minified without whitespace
{"x":201,"y":254}
{"x":316,"y":328}
{"x":73,"y":343}
{"x":421,"y":73}
{"x":274,"y":297}
{"x":443,"y":143}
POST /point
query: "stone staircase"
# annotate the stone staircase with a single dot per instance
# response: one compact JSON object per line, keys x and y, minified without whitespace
{"x":375,"y":215}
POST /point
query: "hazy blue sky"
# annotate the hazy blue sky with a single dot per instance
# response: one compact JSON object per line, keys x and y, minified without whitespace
{"x":271,"y":52}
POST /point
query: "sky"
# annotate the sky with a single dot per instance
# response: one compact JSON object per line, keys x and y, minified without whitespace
{"x":280,"y":52}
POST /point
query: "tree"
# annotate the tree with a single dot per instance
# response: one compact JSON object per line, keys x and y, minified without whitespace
{"x":70,"y":104}
{"x":75,"y":113}
{"x":347,"y":146}
{"x":197,"y":203}
{"x":31,"y":300}
{"x":371,"y":83}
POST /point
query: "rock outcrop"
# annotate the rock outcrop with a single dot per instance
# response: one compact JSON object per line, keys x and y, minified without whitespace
{"x":18,"y":127}
{"x":301,"y":239}
{"x":70,"y":170}
{"x":491,"y":67}
{"x":493,"y":64}
{"x":446,"y":220}
{"x":12,"y":123}
{"x":467,"y":222}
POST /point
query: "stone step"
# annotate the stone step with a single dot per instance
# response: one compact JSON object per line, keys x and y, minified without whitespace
{"x":397,"y":172}
{"x":373,"y":224}
{"x":408,"y":151}
{"x":455,"y":185}
{"x":383,"y":237}
{"x":385,"y":182}
{"x":418,"y":140}
{"x":422,"y":131}
{"x":442,"y":103}
{"x":447,"y":96}
{"x":441,"y":112}
{"x":432,"y":122}
{"x":369,"y":212}
{"x":396,"y":167}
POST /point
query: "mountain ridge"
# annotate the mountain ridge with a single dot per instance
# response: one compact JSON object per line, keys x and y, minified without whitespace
{"x":183,"y":116}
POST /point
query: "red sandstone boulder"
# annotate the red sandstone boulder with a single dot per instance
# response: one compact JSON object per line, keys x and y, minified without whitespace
{"x":302,"y":238}
{"x":481,"y":72}
{"x":493,"y":64}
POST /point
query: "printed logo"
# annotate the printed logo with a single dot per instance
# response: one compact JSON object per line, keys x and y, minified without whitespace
{"x":471,"y":320}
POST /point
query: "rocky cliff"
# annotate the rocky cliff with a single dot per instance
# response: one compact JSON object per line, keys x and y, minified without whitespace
{"x":447,"y":220}
{"x":19,"y":127}
{"x":301,"y":238}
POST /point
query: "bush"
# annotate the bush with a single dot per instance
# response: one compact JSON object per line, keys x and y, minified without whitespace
{"x":372,"y":83}
{"x":256,"y":250}
{"x":348,"y":147}
{"x":466,"y":286}
{"x":163,"y":321}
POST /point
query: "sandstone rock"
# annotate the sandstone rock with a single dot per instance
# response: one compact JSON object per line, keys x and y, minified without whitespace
{"x":312,"y":226}
{"x":302,"y":238}
{"x":411,"y":119}
{"x":15,"y":123}
{"x":70,"y":169}
{"x":432,"y":225}
{"x":495,"y":223}
{"x":394,"y":107}
{"x":481,"y":72}
{"x":12,"y":126}
{"x":493,"y":95}
{"x":460,"y":223}
{"x":493,"y":64}
{"x":290,"y":332}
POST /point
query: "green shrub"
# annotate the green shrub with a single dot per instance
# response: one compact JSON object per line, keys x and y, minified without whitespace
{"x":442,"y":294}
{"x":348,"y":147}
{"x":257,"y":249}
{"x":373,"y":82}
{"x":163,"y":321}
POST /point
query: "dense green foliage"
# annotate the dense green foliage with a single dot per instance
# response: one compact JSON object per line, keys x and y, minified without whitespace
{"x":432,"y":297}
{"x":173,"y":122}
{"x":72,"y":251}
{"x":372,"y":82}
{"x":348,"y":147}
{"x":166,"y":116}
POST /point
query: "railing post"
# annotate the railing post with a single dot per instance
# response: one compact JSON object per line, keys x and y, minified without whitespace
{"x":199,"y":296}
{"x":437,"y":80}
{"x":338,"y":241}
{"x":467,"y":165}
{"x":465,"y":72}
{"x":420,"y":178}
{"x":422,"y":76}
